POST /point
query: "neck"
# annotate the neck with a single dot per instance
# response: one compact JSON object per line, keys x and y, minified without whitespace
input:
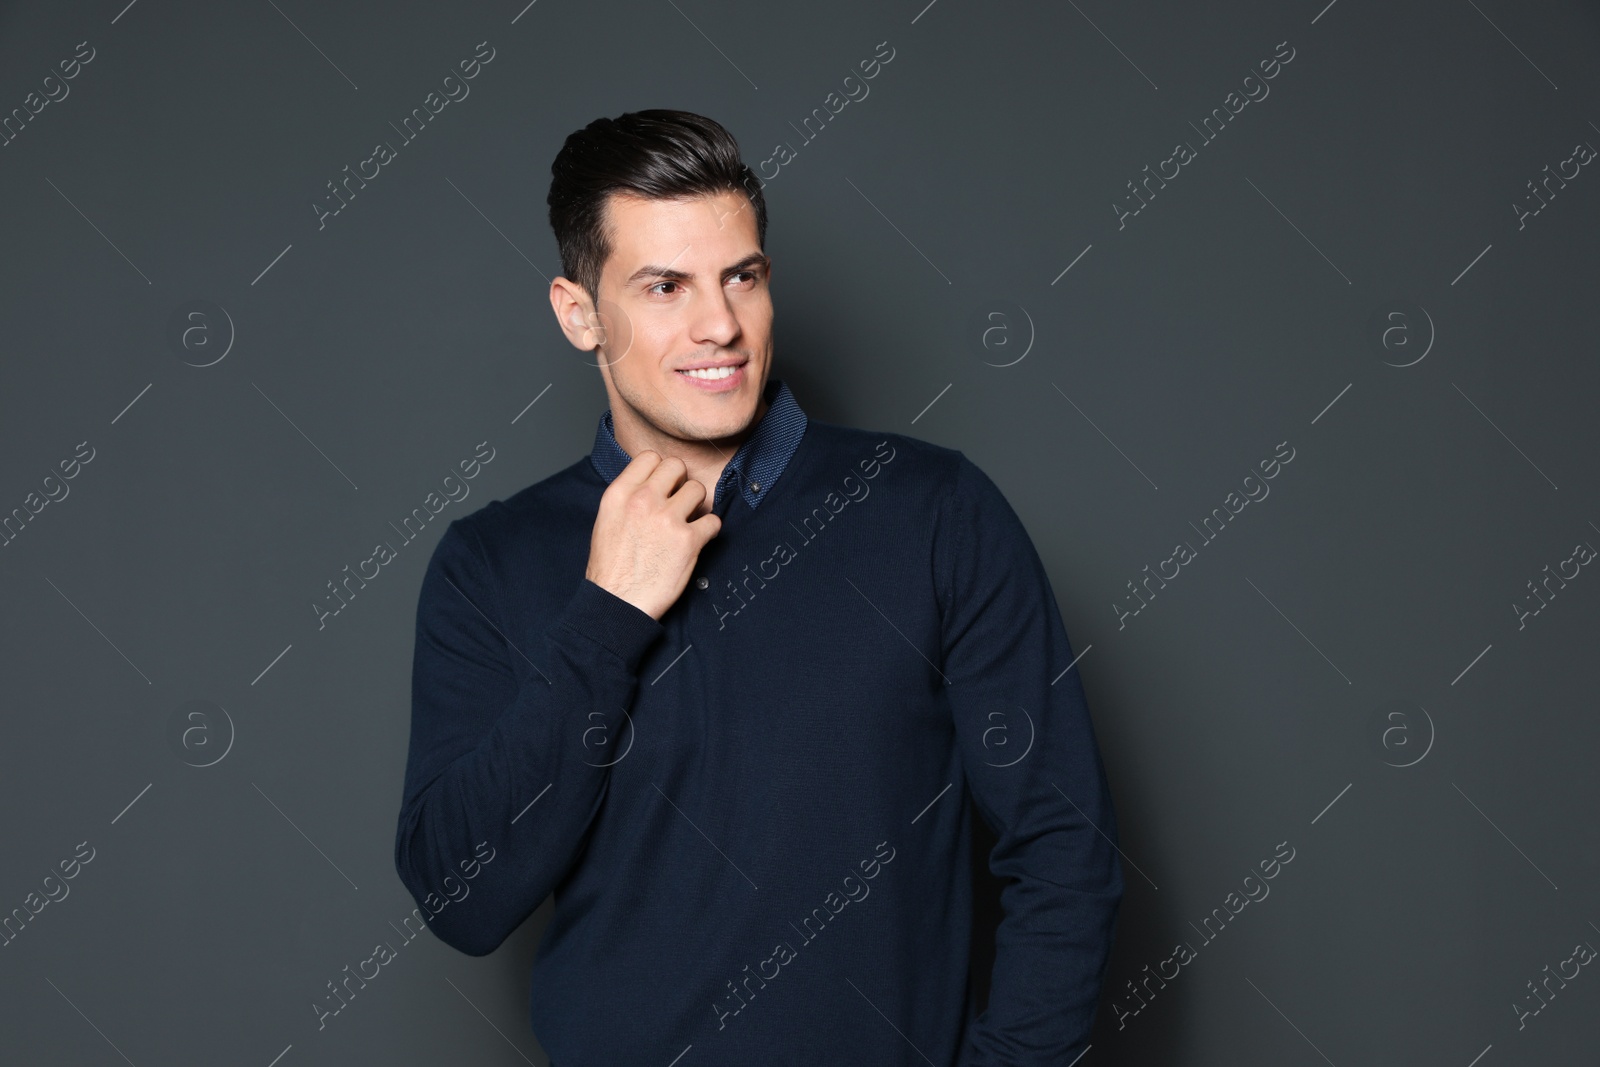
{"x":705,"y":460}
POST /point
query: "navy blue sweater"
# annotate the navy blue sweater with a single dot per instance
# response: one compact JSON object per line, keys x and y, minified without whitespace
{"x":753,"y":812}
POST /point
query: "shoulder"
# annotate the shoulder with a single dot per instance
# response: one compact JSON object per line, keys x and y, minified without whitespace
{"x":946,"y":478}
{"x":911,"y":458}
{"x":533,"y":514}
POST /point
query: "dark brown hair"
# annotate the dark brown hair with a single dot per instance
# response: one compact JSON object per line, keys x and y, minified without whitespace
{"x":657,"y":154}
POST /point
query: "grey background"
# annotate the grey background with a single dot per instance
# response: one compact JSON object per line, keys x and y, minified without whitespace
{"x":1247,"y":705}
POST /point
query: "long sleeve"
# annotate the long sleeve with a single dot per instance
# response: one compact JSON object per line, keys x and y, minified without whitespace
{"x":1005,"y":649}
{"x":499,"y":768}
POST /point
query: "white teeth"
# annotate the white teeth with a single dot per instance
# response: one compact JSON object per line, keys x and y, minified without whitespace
{"x":710,"y":374}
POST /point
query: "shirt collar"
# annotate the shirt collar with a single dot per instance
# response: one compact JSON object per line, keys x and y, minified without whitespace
{"x":755,"y":467}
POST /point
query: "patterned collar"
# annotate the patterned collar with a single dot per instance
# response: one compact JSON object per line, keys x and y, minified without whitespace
{"x":755,"y":467}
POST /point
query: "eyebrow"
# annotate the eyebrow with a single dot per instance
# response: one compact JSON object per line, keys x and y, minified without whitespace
{"x":671,"y":275}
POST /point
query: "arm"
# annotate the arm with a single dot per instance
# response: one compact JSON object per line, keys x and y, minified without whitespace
{"x":484,"y":746}
{"x":1003,"y":644}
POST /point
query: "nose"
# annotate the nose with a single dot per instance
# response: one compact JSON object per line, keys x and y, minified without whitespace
{"x":714,"y":321}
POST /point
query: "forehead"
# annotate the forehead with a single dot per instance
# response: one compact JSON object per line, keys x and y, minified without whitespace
{"x":703,"y":232}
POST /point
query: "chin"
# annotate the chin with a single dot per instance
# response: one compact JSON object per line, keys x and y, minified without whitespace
{"x":727,"y":429}
{"x":725,"y":423}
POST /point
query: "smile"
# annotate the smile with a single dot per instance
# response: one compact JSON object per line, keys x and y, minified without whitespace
{"x":711,"y":374}
{"x":727,"y":379}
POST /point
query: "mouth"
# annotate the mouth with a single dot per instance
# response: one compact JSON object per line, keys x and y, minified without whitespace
{"x":716,"y":379}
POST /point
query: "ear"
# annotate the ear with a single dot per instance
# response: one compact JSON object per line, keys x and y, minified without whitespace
{"x":575,"y":314}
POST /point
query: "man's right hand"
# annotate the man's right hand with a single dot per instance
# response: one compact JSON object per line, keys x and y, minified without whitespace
{"x":644,"y":547}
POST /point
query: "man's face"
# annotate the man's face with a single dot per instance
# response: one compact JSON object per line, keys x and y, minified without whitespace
{"x":686,"y":287}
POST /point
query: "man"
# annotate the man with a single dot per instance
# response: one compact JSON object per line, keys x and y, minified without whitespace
{"x":734,"y":730}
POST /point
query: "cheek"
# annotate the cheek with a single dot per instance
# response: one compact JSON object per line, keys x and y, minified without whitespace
{"x":755,"y":315}
{"x":659,"y":336}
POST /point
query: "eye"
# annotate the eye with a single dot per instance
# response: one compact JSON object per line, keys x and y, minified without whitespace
{"x":658,"y":285}
{"x":752,"y":275}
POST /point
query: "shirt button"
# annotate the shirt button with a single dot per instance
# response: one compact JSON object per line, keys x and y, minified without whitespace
{"x":755,"y":487}
{"x":702,"y":582}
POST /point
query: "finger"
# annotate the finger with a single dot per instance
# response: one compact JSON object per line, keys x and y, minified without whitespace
{"x":689,"y":496}
{"x":668,"y":475}
{"x":707,"y":526}
{"x":639,"y":468}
